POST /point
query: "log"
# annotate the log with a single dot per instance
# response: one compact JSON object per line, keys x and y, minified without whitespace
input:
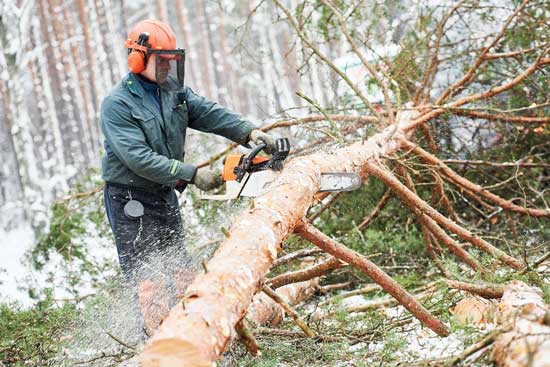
{"x":528,"y":341}
{"x":483,"y":290}
{"x":522,"y":336}
{"x":198,"y":329}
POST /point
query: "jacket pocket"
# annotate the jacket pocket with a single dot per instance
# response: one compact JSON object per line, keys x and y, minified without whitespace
{"x":181,"y":115}
{"x":148,"y":124}
{"x":142,"y":115}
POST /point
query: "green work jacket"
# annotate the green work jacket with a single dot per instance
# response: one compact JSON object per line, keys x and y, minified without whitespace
{"x":144,"y":148}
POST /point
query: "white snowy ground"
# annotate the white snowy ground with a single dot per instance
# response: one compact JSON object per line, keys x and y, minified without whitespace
{"x":12,"y":270}
{"x":17,"y":274}
{"x":419,"y":342}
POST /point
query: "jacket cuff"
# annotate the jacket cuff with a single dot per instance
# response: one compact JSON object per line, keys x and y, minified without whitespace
{"x":245,"y":138}
{"x":184,"y":171}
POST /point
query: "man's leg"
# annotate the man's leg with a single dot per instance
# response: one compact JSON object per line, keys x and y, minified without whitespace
{"x":136,"y":240}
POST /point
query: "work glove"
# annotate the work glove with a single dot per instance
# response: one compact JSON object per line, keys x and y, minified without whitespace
{"x":207,"y":180}
{"x":258,"y":137}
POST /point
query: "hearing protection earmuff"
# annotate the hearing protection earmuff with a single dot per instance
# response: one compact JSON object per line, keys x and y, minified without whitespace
{"x":137,"y":56}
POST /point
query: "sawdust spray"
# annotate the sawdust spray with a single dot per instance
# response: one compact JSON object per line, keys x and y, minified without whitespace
{"x":111,"y":328}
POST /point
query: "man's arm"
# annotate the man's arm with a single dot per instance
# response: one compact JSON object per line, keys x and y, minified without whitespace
{"x":211,"y":117}
{"x":128,"y":143}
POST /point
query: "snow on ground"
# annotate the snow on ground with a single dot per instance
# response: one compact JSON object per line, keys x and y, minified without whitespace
{"x":419,"y":342}
{"x":12,"y":270}
{"x":17,"y":273}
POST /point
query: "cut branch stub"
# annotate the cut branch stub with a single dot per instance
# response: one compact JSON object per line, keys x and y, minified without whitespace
{"x":247,"y":338}
{"x":312,"y":234}
{"x":284,"y":304}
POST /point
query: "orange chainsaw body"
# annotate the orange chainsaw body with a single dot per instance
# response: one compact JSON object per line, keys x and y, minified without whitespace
{"x":232,"y":161}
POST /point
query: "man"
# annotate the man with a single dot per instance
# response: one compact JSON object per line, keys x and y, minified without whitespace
{"x":144,"y":121}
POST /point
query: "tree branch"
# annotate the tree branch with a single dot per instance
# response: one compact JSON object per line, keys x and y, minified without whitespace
{"x":312,"y":234}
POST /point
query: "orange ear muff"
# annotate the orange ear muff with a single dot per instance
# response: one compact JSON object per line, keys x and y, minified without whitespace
{"x":136,"y":61}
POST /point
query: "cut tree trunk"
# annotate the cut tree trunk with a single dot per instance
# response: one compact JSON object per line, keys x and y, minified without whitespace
{"x":219,"y":298}
{"x":528,"y":341}
{"x":197,"y":330}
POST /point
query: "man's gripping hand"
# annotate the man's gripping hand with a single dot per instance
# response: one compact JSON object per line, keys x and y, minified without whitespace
{"x":258,"y":137}
{"x":207,"y":180}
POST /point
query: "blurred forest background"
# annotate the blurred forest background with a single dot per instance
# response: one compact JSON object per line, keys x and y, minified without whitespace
{"x":60,"y":58}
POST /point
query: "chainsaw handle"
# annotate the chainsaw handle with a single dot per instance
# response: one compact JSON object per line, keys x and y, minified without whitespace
{"x":248,"y":160}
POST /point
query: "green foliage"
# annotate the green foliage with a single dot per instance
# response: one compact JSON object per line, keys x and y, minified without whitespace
{"x":405,"y":71}
{"x":31,"y":337}
{"x":65,"y":226}
{"x":72,"y":223}
{"x":304,"y":351}
{"x":71,"y":220}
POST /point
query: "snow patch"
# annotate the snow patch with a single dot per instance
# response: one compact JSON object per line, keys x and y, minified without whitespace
{"x":14,"y":244}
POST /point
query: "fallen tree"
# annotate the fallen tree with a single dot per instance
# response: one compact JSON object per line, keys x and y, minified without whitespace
{"x":198,"y":329}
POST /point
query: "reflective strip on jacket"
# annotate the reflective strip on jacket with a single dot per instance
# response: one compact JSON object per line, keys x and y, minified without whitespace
{"x":145,"y":150}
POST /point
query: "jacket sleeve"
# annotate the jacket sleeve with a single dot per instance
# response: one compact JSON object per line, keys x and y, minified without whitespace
{"x":128,"y":143}
{"x":211,"y":117}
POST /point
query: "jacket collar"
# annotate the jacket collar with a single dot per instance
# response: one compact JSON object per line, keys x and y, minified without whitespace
{"x":135,"y":87}
{"x":132,"y":83}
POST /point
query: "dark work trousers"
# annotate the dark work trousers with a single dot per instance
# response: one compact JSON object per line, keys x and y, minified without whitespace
{"x":151,"y":247}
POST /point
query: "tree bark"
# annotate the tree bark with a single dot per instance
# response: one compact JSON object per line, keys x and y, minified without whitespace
{"x":528,"y":341}
{"x":201,"y":331}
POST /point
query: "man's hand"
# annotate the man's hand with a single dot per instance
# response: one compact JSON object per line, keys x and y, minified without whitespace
{"x":258,"y":137}
{"x":207,"y":180}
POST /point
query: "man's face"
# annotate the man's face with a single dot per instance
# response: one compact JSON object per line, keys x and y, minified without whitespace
{"x":163,"y":68}
{"x":166,"y":68}
{"x":157,"y":73}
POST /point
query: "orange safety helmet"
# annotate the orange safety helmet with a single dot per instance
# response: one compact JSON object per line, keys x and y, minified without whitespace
{"x":146,"y":36}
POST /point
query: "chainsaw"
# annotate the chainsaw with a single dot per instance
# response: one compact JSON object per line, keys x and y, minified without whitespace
{"x":250,"y":175}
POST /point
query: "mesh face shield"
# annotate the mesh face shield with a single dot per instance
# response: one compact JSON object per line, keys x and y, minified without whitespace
{"x":170,"y":68}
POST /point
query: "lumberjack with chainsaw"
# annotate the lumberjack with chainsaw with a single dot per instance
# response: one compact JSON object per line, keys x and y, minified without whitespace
{"x":144,"y":121}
